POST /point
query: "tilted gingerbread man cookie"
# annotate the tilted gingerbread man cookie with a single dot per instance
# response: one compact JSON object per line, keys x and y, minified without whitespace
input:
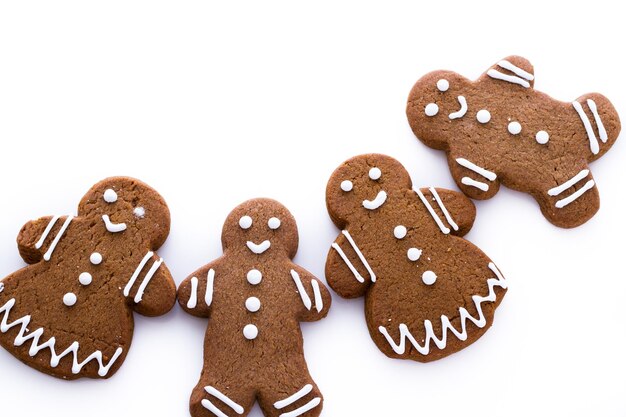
{"x":499,"y":129}
{"x":255,"y":297}
{"x":428,"y":292}
{"x":70,"y":313}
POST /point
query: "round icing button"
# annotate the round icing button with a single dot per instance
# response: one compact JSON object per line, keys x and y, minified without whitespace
{"x":85,"y":278}
{"x":95,"y":258}
{"x":413,"y":254}
{"x":254,"y":276}
{"x":250,"y":332}
{"x":253,"y":304}
{"x":399,"y":232}
{"x":69,"y":299}
{"x":429,"y":277}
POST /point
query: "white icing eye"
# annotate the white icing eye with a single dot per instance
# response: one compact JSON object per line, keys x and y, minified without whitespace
{"x":139,"y":212}
{"x":483,"y":116}
{"x":346,"y":185}
{"x":399,"y":232}
{"x":110,"y":196}
{"x":413,"y":254}
{"x":515,"y":128}
{"x":245,"y":222}
{"x":431,"y":109}
{"x":273,"y":223}
{"x":429,"y":277}
{"x":542,"y":137}
{"x":375,"y":173}
{"x":69,"y":299}
{"x":85,"y":278}
{"x":443,"y":85}
{"x":95,"y":258}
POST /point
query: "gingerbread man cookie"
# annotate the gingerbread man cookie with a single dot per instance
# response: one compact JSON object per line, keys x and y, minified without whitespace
{"x":70,"y":312}
{"x":428,"y":292}
{"x":499,"y":129}
{"x":255,"y":298}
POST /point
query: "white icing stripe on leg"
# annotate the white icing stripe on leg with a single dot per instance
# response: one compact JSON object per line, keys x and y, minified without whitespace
{"x":449,"y":218}
{"x":593,"y":141}
{"x":293,"y":398}
{"x":348,"y":263}
{"x":147,"y":279}
{"x":461,"y":112}
{"x":138,"y":270}
{"x":223,"y":398}
{"x":359,"y":254}
{"x":193,"y":298}
{"x":46,"y":232}
{"x":567,"y":184}
{"x":306,"y":407}
{"x":491,"y":176}
{"x":305,"y":297}
{"x":212,"y":408}
{"x":434,"y":215}
{"x":473,"y":183}
{"x":208,"y":295}
{"x":513,"y":79}
{"x":516,"y":70}
{"x":596,"y":116}
{"x":57,"y":238}
{"x":317,"y":295}
{"x":564,"y":202}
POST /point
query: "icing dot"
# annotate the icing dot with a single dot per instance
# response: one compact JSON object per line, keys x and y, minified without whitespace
{"x":515,"y":128}
{"x":110,"y":196}
{"x":429,"y":277}
{"x":139,"y":212}
{"x":245,"y":222}
{"x":542,"y":137}
{"x":250,"y":332}
{"x":375,"y":173}
{"x":346,"y":185}
{"x":399,"y":232}
{"x":414,"y":254}
{"x":253,"y":304}
{"x":254,"y":276}
{"x":85,"y":278}
{"x":273,"y":223}
{"x":69,"y":299}
{"x":431,"y":109}
{"x":483,"y":116}
{"x":95,"y":258}
{"x":443,"y":85}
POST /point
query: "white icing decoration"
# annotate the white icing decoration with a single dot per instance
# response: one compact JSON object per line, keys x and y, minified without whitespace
{"x":85,"y":278}
{"x":521,"y":77}
{"x":431,"y":109}
{"x":473,"y":183}
{"x":273,"y":223}
{"x":516,"y":70}
{"x":429,"y":277}
{"x":596,"y":116}
{"x":24,"y":335}
{"x":1,"y":286}
{"x":95,"y":258}
{"x":293,"y":398}
{"x":57,"y":238}
{"x":443,"y":85}
{"x":317,"y":296}
{"x":375,"y":173}
{"x":139,"y":212}
{"x":359,"y":254}
{"x":46,"y":232}
{"x":223,"y":398}
{"x":69,"y":299}
{"x":514,"y":128}
{"x":208,"y":293}
{"x":245,"y":222}
{"x":250,"y":331}
{"x":430,"y":209}
{"x":110,"y":196}
{"x":542,"y":137}
{"x":569,"y":183}
{"x":464,"y":315}
{"x":399,"y":232}
{"x":483,"y":116}
{"x":346,"y":185}
{"x":461,"y":112}
{"x":443,"y":208}
{"x":193,"y":296}
{"x":413,"y":254}
{"x":146,"y":279}
{"x":136,"y":273}
{"x":491,"y":176}
{"x":593,"y":141}
{"x":253,"y":304}
{"x":113,"y":227}
{"x":254,"y":276}
{"x":260,"y":247}
{"x":565,"y":201}
{"x":380,"y":199}
{"x":306,"y":407}
{"x":303,"y":295}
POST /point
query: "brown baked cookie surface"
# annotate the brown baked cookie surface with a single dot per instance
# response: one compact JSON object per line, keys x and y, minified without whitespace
{"x":428,"y":292}
{"x":255,"y":298}
{"x":70,"y":312}
{"x":499,"y":129}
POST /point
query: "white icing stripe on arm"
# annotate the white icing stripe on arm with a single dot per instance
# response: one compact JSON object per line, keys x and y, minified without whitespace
{"x":208,"y":295}
{"x":461,"y":112}
{"x":434,"y":215}
{"x":360,"y":255}
{"x":516,"y":70}
{"x":193,"y":298}
{"x":138,"y":270}
{"x":147,"y":279}
{"x":513,"y":79}
{"x":57,"y":238}
{"x":567,"y":184}
{"x":223,"y":398}
{"x":593,"y":141}
{"x":303,"y":295}
{"x":564,"y":202}
{"x":449,"y":218}
{"x":476,"y":184}
{"x":212,"y":408}
{"x":601,"y":130}
{"x":46,"y":232}
{"x":343,"y":256}
{"x":491,"y":176}
{"x":293,"y":398}
{"x":306,"y":407}
{"x":317,"y":295}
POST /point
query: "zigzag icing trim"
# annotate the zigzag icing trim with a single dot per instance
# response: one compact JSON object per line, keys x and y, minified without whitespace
{"x":24,"y":336}
{"x":446,"y":325}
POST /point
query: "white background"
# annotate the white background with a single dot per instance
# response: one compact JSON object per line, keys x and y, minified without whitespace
{"x":212,"y":105}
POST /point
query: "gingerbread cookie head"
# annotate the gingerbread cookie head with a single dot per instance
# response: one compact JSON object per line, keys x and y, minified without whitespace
{"x":499,"y":129}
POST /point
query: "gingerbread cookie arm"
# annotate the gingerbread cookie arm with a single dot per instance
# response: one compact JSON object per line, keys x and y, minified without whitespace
{"x":312,"y":293}
{"x":514,"y":70}
{"x":195,"y":293}
{"x":600,"y":122}
{"x":151,"y":289}
{"x":451,"y":211}
{"x":347,"y":271}
{"x":39,"y":238}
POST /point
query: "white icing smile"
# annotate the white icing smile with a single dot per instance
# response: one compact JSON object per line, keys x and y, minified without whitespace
{"x":113,"y":227}
{"x":258,"y":248}
{"x":377,"y":202}
{"x":461,"y":112}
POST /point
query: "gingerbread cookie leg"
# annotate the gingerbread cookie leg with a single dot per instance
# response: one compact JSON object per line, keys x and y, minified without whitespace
{"x":298,"y":396}
{"x":214,"y":397}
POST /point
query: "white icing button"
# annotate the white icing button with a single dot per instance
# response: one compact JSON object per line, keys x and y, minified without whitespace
{"x":414,"y":254}
{"x":375,"y":173}
{"x":399,"y":232}
{"x":110,"y":196}
{"x":443,"y":85}
{"x":95,"y":258}
{"x":431,"y":109}
{"x":245,"y":222}
{"x":139,"y":212}
{"x":542,"y":137}
{"x":254,"y":276}
{"x":85,"y":278}
{"x":483,"y":116}
{"x":515,"y":128}
{"x":250,"y":332}
{"x":346,"y":185}
{"x":273,"y":223}
{"x":69,"y":299}
{"x":429,"y":277}
{"x":253,"y":304}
